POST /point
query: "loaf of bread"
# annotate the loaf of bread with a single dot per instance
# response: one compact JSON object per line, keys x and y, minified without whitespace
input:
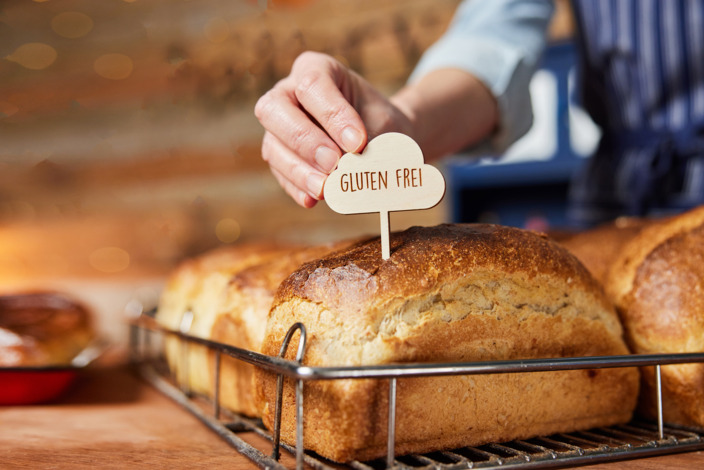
{"x":657,"y":283}
{"x":42,"y":329}
{"x":451,"y":293}
{"x":229,"y":292}
{"x":197,"y":287}
{"x":598,"y":247}
{"x":241,"y":320}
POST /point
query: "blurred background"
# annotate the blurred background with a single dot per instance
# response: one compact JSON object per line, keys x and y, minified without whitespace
{"x":128,"y":140}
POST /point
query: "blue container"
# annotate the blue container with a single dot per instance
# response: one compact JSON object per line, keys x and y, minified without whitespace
{"x":529,"y":192}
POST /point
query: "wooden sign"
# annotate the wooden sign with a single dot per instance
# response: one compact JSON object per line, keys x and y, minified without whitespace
{"x":389,"y":175}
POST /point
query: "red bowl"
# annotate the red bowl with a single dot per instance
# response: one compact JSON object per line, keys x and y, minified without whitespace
{"x":32,"y":385}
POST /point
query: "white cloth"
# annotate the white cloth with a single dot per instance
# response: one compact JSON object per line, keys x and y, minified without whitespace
{"x":500,"y":42}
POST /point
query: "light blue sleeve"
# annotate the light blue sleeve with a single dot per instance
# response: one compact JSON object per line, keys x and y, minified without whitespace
{"x":500,"y":42}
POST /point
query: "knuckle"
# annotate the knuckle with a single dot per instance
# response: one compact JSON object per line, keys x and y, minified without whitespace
{"x":295,"y":173}
{"x":266,"y":151}
{"x":301,"y":140}
{"x":305,"y":58}
{"x":298,"y":173}
{"x":268,"y":103}
{"x":308,"y":82}
{"x":336,"y":114}
{"x":262,"y":108}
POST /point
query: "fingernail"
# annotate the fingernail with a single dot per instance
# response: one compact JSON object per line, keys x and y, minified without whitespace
{"x":351,"y":139}
{"x":326,"y":158}
{"x":314,"y":182}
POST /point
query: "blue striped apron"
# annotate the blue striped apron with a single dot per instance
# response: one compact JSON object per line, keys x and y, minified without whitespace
{"x":641,"y":76}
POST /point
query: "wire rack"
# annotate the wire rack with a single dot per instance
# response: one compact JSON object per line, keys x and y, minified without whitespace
{"x":633,"y":440}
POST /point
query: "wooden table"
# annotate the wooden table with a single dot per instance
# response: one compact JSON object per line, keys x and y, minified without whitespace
{"x":111,"y":419}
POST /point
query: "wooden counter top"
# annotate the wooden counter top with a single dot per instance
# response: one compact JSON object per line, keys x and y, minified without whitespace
{"x":111,"y":419}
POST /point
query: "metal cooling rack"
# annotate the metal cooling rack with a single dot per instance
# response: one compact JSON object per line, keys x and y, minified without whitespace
{"x":634,"y":440}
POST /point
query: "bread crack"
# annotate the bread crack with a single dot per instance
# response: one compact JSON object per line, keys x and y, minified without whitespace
{"x":551,"y":310}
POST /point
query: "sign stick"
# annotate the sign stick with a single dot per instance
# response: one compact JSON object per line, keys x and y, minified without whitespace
{"x":385,"y":250}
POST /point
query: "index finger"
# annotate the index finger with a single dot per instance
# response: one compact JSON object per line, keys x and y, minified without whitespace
{"x":282,"y":115}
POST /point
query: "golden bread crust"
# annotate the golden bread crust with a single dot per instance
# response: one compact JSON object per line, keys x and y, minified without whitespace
{"x":241,"y":319}
{"x":229,"y":291}
{"x":657,"y":285}
{"x":425,"y":258}
{"x":598,"y":247}
{"x":622,"y":273}
{"x":187,"y":281}
{"x":198,"y":285}
{"x":449,"y":293}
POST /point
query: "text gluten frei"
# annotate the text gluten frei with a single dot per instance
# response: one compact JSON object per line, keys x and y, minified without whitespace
{"x":379,"y":180}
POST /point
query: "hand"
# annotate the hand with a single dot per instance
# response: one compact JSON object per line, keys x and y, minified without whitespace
{"x":321,"y":110}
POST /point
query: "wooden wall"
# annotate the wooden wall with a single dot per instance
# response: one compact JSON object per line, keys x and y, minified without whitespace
{"x":129,"y":124}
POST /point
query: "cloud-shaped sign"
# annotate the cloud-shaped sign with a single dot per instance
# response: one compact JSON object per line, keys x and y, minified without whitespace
{"x":389,"y":175}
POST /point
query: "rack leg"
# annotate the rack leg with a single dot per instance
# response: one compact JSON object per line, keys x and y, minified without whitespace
{"x":299,"y":396}
{"x":658,"y":382}
{"x":216,"y":392}
{"x":299,"y":425}
{"x":185,"y":372}
{"x":277,"y":417}
{"x":135,"y":355}
{"x":390,"y":445}
{"x":185,"y":327}
{"x":147,"y":342}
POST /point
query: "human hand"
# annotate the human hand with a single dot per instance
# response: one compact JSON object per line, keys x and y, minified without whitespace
{"x":319,"y":111}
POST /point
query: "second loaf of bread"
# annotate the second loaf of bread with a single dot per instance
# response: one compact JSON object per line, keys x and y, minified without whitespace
{"x":656,"y":283}
{"x":447,"y":294}
{"x":240,"y":319}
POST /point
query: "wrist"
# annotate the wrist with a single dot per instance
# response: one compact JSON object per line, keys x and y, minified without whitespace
{"x":407,"y":102}
{"x":447,"y":110}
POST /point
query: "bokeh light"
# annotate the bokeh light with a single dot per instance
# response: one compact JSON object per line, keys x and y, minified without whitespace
{"x":72,"y":24}
{"x":34,"y":55}
{"x":113,"y":66}
{"x":227,"y":230}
